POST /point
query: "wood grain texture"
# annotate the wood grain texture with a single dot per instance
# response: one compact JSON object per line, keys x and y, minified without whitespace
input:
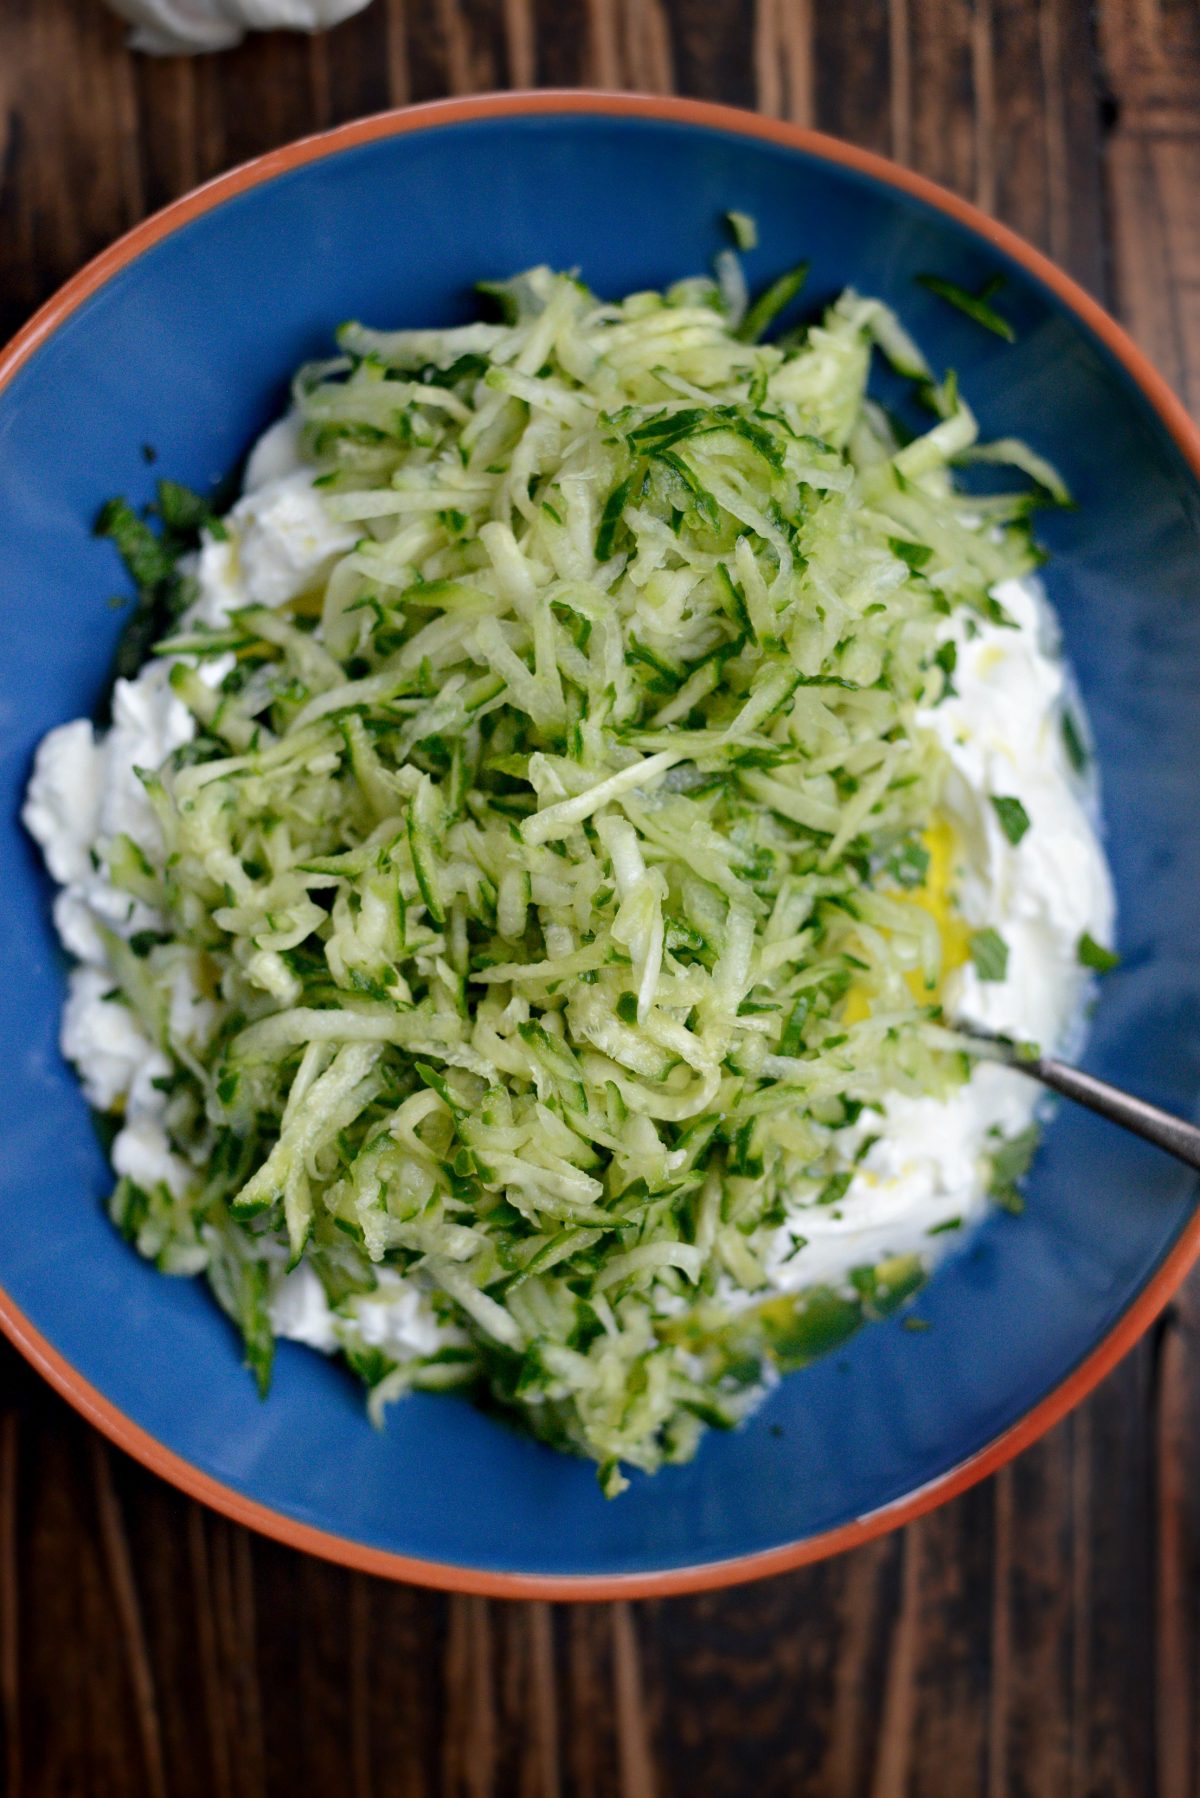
{"x":1151,"y":63}
{"x":10,"y":1607}
{"x":1039,"y":1637}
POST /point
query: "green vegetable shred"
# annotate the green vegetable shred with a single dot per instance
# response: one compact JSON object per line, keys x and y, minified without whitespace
{"x":556,"y":865}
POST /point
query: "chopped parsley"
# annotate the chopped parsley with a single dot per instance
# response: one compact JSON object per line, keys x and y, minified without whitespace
{"x":1014,"y":819}
{"x":989,"y":953}
{"x":1091,"y":954}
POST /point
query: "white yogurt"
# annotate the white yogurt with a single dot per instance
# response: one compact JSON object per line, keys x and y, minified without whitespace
{"x":62,"y":803}
{"x":398,"y":1318}
{"x":115,"y":1058}
{"x":278,"y":540}
{"x":181,"y":27}
{"x":301,"y":1311}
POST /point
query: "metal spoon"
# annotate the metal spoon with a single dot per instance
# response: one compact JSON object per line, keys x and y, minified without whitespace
{"x":1159,"y":1127}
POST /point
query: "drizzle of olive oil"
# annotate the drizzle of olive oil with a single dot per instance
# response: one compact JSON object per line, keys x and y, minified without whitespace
{"x":935,"y":895}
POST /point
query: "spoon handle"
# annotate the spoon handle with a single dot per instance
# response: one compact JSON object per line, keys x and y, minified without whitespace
{"x":1159,"y":1127}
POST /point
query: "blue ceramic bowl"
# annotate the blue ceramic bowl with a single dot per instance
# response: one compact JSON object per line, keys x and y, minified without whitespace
{"x":183,"y":337}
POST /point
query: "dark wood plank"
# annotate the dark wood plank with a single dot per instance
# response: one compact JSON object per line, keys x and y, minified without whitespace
{"x":1150,"y":57}
{"x":76,"y":1726}
{"x":66,"y":93}
{"x":398,"y":1691}
{"x":945,"y":88}
{"x":1043,"y":171}
{"x":868,"y":101}
{"x":127,"y":1610}
{"x":784,"y":49}
{"x":590,"y":1752}
{"x":1029,"y":1725}
{"x":11,"y":1685}
{"x":1151,"y":61}
{"x":778,"y":1691}
{"x":951,"y":1668}
{"x":1177,"y":1581}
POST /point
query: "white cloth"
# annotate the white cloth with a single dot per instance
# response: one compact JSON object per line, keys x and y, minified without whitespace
{"x":180,"y":27}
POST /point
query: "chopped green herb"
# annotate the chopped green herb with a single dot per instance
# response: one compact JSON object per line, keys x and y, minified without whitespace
{"x":916,"y":555}
{"x":1073,"y":742}
{"x":995,"y":613}
{"x":835,"y":1188}
{"x":743,"y":229}
{"x":909,"y":864}
{"x":975,"y":305}
{"x":769,"y":304}
{"x":1014,"y":819}
{"x":1009,"y":1162}
{"x":610,"y":518}
{"x":1092,"y":954}
{"x":989,"y":952}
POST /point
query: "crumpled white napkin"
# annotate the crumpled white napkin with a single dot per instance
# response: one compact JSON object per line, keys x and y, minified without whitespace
{"x":176,"y":27}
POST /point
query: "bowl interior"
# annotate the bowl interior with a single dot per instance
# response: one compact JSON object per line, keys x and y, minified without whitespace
{"x":187,"y":350}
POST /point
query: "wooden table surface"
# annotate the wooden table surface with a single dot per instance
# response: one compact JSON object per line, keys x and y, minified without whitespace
{"x":1042,"y":1634}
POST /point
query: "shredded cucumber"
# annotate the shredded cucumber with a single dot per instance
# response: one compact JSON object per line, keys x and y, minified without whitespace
{"x":531,"y":857}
